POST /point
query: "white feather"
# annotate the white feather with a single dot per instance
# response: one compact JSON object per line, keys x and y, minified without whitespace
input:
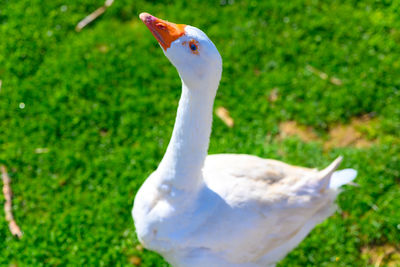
{"x":342,"y":177}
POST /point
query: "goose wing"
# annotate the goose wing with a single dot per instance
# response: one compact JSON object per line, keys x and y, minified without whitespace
{"x":239,"y":178}
{"x":273,"y":205}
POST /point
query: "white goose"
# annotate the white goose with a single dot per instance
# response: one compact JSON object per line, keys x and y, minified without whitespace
{"x":224,"y":210}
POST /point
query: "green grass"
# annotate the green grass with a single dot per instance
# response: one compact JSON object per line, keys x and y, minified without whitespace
{"x":103,"y":102}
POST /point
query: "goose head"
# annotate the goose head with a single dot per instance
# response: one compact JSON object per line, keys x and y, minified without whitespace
{"x":193,"y":54}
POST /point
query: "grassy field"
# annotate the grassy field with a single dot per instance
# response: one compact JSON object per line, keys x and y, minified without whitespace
{"x":86,"y":117}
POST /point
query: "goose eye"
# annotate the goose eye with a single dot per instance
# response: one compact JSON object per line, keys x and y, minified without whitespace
{"x":194,"y":46}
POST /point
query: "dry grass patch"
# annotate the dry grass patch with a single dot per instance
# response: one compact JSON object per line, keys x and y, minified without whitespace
{"x":225,"y":116}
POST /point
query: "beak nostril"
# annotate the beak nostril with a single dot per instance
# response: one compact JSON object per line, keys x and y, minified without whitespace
{"x":161,"y":26}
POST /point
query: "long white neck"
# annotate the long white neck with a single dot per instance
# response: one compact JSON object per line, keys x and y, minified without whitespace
{"x":183,"y":161}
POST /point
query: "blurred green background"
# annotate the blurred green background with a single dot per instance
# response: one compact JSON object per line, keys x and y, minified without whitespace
{"x":86,"y":116}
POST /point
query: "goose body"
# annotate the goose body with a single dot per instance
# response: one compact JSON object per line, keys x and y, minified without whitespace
{"x":223,"y":210}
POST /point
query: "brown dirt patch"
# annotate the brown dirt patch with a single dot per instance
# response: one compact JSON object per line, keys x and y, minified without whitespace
{"x":339,"y":135}
{"x":343,"y":135}
{"x":291,"y":128}
{"x":384,"y":255}
{"x":135,"y":260}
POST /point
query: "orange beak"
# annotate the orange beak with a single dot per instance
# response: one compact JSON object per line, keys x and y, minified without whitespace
{"x":165,"y":32}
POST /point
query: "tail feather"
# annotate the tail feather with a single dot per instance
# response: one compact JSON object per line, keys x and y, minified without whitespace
{"x":342,"y":177}
{"x":334,"y":179}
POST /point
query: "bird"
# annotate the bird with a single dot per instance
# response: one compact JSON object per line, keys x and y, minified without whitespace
{"x":222,"y":210}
